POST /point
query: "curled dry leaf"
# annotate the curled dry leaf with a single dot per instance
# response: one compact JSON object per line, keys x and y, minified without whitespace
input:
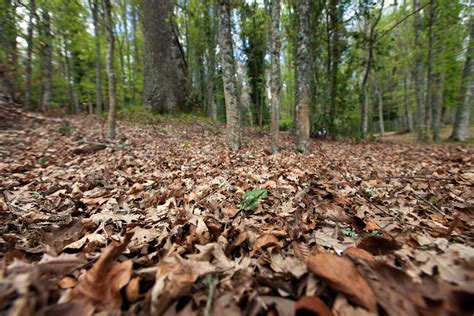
{"x":378,"y":245}
{"x":265,"y":241}
{"x":341,"y":274}
{"x":312,"y":305}
{"x":357,"y":253}
{"x":175,"y":278}
{"x":101,"y":285}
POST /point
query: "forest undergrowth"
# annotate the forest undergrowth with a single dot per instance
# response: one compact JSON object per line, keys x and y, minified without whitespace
{"x":167,"y":221}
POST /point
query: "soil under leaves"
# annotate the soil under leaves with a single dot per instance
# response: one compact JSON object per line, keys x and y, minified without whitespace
{"x":150,"y":223}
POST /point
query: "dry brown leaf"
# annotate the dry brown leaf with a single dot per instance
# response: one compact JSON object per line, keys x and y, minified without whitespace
{"x":312,"y":305}
{"x":101,"y":285}
{"x":378,"y":245}
{"x":341,"y":274}
{"x":265,"y":241}
{"x":174,"y":279}
{"x":358,"y":253}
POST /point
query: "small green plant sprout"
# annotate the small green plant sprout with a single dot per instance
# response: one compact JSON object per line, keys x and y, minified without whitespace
{"x":43,"y":160}
{"x":185,"y":143}
{"x":65,"y":129}
{"x":251,"y":198}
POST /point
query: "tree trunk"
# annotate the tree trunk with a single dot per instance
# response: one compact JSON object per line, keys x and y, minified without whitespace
{"x":406,"y":104}
{"x":8,"y":50}
{"x":364,"y":113}
{"x":98,"y":77}
{"x":73,"y":101}
{"x":335,"y":52}
{"x":302,"y":77}
{"x":430,"y":74}
{"x":126,"y":46}
{"x":136,"y":59}
{"x":47,"y":62}
{"x":165,"y":74}
{"x":211,"y":67}
{"x":463,"y":112}
{"x":275,"y":79}
{"x":228,"y":75}
{"x":421,"y":131}
{"x":380,"y":108}
{"x":29,"y":56}
{"x":110,"y":68}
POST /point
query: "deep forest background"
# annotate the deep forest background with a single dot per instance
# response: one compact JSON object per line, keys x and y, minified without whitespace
{"x":408,"y":49}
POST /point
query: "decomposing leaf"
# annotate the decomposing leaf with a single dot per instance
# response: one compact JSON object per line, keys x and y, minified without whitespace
{"x":101,"y":285}
{"x":341,"y":274}
{"x":312,"y":305}
{"x":378,"y":245}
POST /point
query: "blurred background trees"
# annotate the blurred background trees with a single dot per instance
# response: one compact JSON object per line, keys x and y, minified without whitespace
{"x":373,"y":67}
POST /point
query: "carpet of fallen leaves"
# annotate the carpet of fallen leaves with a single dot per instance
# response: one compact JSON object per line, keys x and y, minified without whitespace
{"x":150,"y":223}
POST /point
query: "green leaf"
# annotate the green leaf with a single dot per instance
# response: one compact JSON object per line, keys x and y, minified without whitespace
{"x":251,"y":198}
{"x":43,"y":160}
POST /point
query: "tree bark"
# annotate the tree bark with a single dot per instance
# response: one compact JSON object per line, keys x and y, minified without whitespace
{"x":406,"y":104}
{"x":8,"y":50}
{"x":136,"y":59}
{"x":335,"y":18}
{"x":110,"y":68}
{"x":47,"y":62}
{"x":380,"y":108}
{"x":463,"y":112}
{"x":165,"y":74}
{"x":98,"y":76}
{"x":430,"y":74}
{"x":364,"y":113}
{"x":73,"y":101}
{"x":29,"y":56}
{"x":211,"y":67}
{"x":228,"y":75}
{"x":421,"y":131}
{"x":302,"y":77}
{"x":275,"y":79}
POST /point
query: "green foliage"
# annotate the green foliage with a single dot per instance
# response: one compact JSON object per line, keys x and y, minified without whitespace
{"x":286,"y":123}
{"x":43,"y":160}
{"x":251,"y":198}
{"x":185,"y":143}
{"x":65,"y":129}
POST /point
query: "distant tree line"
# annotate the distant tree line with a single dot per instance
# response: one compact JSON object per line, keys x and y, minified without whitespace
{"x":344,"y":67}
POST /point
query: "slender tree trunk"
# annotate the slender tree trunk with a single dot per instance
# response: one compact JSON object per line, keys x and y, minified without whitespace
{"x":73,"y":102}
{"x":463,"y":112}
{"x":110,"y":68}
{"x":166,"y":86}
{"x":335,"y":52}
{"x":363,"y":87}
{"x":408,"y":120}
{"x":127,"y":45}
{"x":406,"y":104}
{"x":123,"y":78}
{"x":275,"y":79}
{"x":302,"y":77}
{"x":211,"y":66}
{"x":8,"y":51}
{"x":47,"y":63}
{"x":228,"y":75}
{"x":421,"y":127}
{"x":380,"y":108}
{"x":136,"y":55}
{"x":98,"y":76}
{"x":430,"y":75}
{"x":29,"y":56}
{"x":437,"y":104}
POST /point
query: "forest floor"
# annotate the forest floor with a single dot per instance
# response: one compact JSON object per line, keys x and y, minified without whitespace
{"x":155,"y":223}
